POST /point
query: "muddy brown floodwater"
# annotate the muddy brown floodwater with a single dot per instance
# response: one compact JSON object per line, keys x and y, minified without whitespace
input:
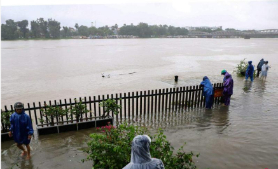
{"x":243,"y":135}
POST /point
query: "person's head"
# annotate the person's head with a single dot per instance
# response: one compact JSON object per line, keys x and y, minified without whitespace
{"x":223,"y":72}
{"x":140,"y":151}
{"x":250,"y":62}
{"x":18,"y":106}
{"x":266,"y":62}
{"x":205,"y":77}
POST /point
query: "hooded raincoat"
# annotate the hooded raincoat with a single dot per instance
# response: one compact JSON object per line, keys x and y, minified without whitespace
{"x":260,"y":64}
{"x":265,"y":68}
{"x":249,"y":71}
{"x":228,"y":88}
{"x":207,"y":92}
{"x":21,"y":127}
{"x":140,"y":155}
{"x":259,"y":67}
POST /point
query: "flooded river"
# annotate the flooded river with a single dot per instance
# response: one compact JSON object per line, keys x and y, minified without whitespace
{"x":243,"y":135}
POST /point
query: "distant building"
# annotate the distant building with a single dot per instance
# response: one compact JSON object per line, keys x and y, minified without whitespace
{"x":190,"y":28}
{"x":269,"y":30}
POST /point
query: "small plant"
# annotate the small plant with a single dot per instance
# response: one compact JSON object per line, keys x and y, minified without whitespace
{"x":111,"y":148}
{"x":52,"y":111}
{"x":78,"y":109}
{"x":5,"y":120}
{"x":241,"y":68}
{"x":110,"y":105}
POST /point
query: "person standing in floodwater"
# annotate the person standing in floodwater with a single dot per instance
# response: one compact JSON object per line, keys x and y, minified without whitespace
{"x":21,"y":129}
{"x":259,"y":66}
{"x":228,"y":84}
{"x":207,"y":92}
{"x":249,"y":71}
{"x":265,"y":68}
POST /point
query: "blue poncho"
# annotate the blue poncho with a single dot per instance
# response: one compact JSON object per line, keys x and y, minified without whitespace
{"x":21,"y":127}
{"x":250,"y":69}
{"x":207,"y":92}
{"x":208,"y":89}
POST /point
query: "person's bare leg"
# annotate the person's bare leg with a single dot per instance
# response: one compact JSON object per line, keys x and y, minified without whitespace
{"x":24,"y":152}
{"x":28,"y":152}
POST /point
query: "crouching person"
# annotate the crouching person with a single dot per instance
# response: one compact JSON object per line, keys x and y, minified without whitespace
{"x":207,"y":92}
{"x":140,"y":155}
{"x":21,"y":129}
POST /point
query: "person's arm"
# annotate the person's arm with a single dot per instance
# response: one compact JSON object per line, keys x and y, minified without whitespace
{"x":11,"y":127}
{"x":29,"y":128}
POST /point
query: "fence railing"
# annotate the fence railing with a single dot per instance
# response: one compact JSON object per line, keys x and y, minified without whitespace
{"x":140,"y":106}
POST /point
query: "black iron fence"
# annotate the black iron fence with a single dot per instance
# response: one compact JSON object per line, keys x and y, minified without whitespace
{"x":135,"y":106}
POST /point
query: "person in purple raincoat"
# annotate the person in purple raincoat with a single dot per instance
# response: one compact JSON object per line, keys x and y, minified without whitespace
{"x":21,"y":129}
{"x":228,"y":84}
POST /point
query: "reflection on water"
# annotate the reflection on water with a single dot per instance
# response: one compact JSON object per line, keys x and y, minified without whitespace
{"x":247,"y":86}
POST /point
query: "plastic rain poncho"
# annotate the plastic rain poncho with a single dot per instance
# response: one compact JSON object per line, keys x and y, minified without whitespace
{"x":140,"y":155}
{"x":228,"y":84}
{"x":228,"y":88}
{"x":260,"y":64}
{"x":207,"y":91}
{"x":249,"y":71}
{"x":21,"y":127}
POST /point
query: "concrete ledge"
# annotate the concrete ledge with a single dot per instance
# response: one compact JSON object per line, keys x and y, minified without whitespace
{"x":73,"y":126}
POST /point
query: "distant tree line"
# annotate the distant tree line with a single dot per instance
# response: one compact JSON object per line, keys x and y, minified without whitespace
{"x":51,"y":28}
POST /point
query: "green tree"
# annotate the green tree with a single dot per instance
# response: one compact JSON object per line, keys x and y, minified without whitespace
{"x":76,"y":26}
{"x":35,"y":29}
{"x":43,"y":25}
{"x":8,"y":30}
{"x":93,"y":31}
{"x":172,"y":30}
{"x":104,"y":31}
{"x":143,"y":30}
{"x":83,"y":30}
{"x":65,"y":32}
{"x":23,"y":27}
{"x":54,"y":28}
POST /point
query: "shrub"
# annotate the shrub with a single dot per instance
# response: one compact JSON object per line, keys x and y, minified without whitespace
{"x":110,"y":105}
{"x":78,"y":109}
{"x":5,"y":120}
{"x":241,"y":68}
{"x":52,"y":111}
{"x":111,"y":148}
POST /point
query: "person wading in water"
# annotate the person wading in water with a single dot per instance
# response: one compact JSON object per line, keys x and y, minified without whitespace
{"x":21,"y":129}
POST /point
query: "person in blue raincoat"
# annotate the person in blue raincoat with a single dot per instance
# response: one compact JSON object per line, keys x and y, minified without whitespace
{"x":207,"y":92}
{"x":21,"y":129}
{"x":249,"y":71}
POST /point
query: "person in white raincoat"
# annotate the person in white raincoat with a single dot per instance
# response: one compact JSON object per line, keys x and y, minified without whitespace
{"x":140,"y":155}
{"x":265,"y":68}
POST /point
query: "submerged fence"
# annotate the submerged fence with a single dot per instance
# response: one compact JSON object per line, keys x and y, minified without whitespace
{"x":137,"y":106}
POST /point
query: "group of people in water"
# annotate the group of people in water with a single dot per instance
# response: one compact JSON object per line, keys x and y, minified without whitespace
{"x":208,"y":92}
{"x":228,"y":83}
{"x":262,"y":69}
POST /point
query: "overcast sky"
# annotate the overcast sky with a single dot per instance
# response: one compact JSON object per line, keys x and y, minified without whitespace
{"x":245,"y":14}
